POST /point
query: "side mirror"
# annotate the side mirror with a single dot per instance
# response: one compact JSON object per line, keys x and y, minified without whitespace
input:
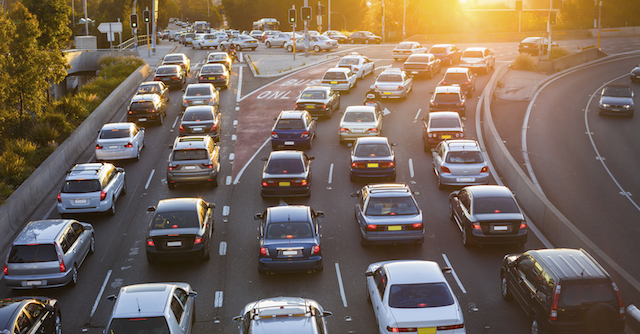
{"x":446,"y":270}
{"x":327,"y":314}
{"x":237,"y":319}
{"x":349,"y":144}
{"x":111,"y":298}
{"x":257,"y":216}
{"x":170,"y":146}
{"x":394,"y":144}
{"x":431,"y":93}
{"x":311,"y":158}
{"x":142,"y":128}
{"x":211,"y":205}
{"x":193,"y":294}
{"x":368,"y":273}
{"x":87,"y":228}
{"x":319,"y":214}
{"x":355,"y":194}
{"x":151,"y":208}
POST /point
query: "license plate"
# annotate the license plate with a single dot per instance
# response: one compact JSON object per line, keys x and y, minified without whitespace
{"x":372,"y":165}
{"x":198,"y":102}
{"x":166,"y":79}
{"x":252,"y":41}
{"x":310,"y":106}
{"x":289,"y":143}
{"x":446,"y":136}
{"x":290,"y":253}
{"x":113,"y":147}
{"x":427,"y":330}
{"x":80,"y":201}
{"x":414,"y":72}
{"x":32,"y":283}
{"x":615,"y":109}
{"x":189,"y":167}
{"x":394,"y":228}
{"x":386,"y":93}
{"x":334,"y":82}
{"x":525,"y":46}
{"x":466,"y":179}
{"x":501,"y":228}
{"x":212,"y":78}
{"x":284,"y":184}
{"x":174,"y":243}
{"x":198,"y":129}
{"x":142,"y":119}
{"x":357,"y":131}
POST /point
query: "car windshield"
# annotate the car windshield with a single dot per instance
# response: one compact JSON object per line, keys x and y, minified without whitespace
{"x":289,"y":124}
{"x":420,"y":295}
{"x":391,"y":206}
{"x":81,"y":186}
{"x":438,"y":49}
{"x":190,"y":154}
{"x":166,"y":70}
{"x":586,"y":292}
{"x":418,"y":59}
{"x":284,"y":166}
{"x":447,"y":97}
{"x":372,"y":150}
{"x":455,"y":77}
{"x":348,"y":61}
{"x":176,"y":219}
{"x":198,"y":91}
{"x":144,"y":89}
{"x":404,"y":46}
{"x":32,"y":253}
{"x":174,"y":58}
{"x":313,"y":94}
{"x":389,"y":78}
{"x":289,"y":230}
{"x":495,"y":205}
{"x":439,"y":123}
{"x":472,"y":54}
{"x":197,"y":116}
{"x":617,"y":92}
{"x":155,"y":325}
{"x":209,"y":36}
{"x":334,"y":75}
{"x":145,"y":105}
{"x":115,"y":133}
{"x":212,"y":69}
{"x":464,"y":157}
{"x":358,"y":117}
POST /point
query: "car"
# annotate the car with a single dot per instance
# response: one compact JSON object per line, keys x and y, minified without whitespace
{"x":448,"y":98}
{"x":318,"y":101}
{"x":200,"y":94}
{"x":280,"y":39}
{"x":393,"y":83}
{"x":171,"y":75}
{"x":335,"y":35}
{"x":413,"y":296}
{"x":155,"y":87}
{"x":215,"y":74}
{"x":206,"y":41}
{"x":180,"y":228}
{"x":289,"y":239}
{"x":563,"y":290}
{"x":372,"y":157}
{"x":178,"y":59}
{"x":257,"y":34}
{"x":193,"y":159}
{"x":616,"y":99}
{"x":188,"y":38}
{"x":268,"y":34}
{"x":405,"y":49}
{"x":441,"y":125}
{"x":461,"y":77}
{"x":201,"y":120}
{"x":286,"y":174}
{"x":241,"y":42}
{"x":147,"y":108}
{"x":459,"y":162}
{"x":447,"y":53}
{"x":220,"y":58}
{"x":535,"y":45}
{"x":316,"y":43}
{"x":387,"y":213}
{"x":283,"y":314}
{"x":47,"y":254}
{"x":221,"y":36}
{"x":365,"y":37}
{"x":92,"y":188}
{"x":293,"y":129}
{"x":30,"y":315}
{"x":359,"y":121}
{"x":488,"y":214}
{"x":478,"y":58}
{"x":358,"y":64}
{"x":119,"y":141}
{"x":167,"y":308}
{"x":339,"y":79}
{"x":177,"y":37}
{"x":635,"y":74}
{"x":424,"y":63}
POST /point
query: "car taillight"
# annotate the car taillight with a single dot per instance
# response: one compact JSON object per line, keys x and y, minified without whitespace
{"x":445,"y":169}
{"x":324,"y":106}
{"x":615,"y":288}
{"x":433,"y":103}
{"x":459,"y":135}
{"x":403,"y":67}
{"x":150,"y":243}
{"x":400,"y":87}
{"x":201,"y":78}
{"x":63,"y":268}
{"x":214,"y":127}
{"x":356,"y":70}
{"x":305,"y":134}
{"x":210,"y":166}
{"x":264,"y":251}
{"x":553,"y":315}
{"x":401,"y":330}
{"x":181,"y":129}
{"x":461,"y":104}
{"x":315,"y":249}
{"x":476,"y":226}
{"x":59,"y":198}
{"x":431,"y":135}
{"x":304,"y":182}
{"x":467,"y":82}
{"x":274,"y":134}
{"x":198,"y":240}
{"x":442,"y":83}
{"x":130,"y":112}
{"x":484,"y":169}
{"x":156,"y":79}
{"x":98,"y":147}
{"x":174,"y":78}
{"x":172,"y":167}
{"x":5,"y":269}
{"x":372,"y":130}
{"x":523,"y":225}
{"x":390,"y":164}
{"x":185,"y":101}
{"x":265,"y":183}
{"x":344,"y":130}
{"x":297,"y":106}
{"x":417,"y":225}
{"x":450,"y":327}
{"x":372,"y":227}
{"x":103,"y":195}
{"x":128,"y":145}
{"x":354,"y":165}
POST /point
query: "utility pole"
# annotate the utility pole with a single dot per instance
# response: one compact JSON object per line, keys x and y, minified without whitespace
{"x":329,"y":17}
{"x":86,"y":20}
{"x":306,"y":32}
{"x":549,"y":29}
{"x":154,"y":14}
{"x":135,"y":31}
{"x":404,"y":16}
{"x":383,"y":39}
{"x":599,"y":22}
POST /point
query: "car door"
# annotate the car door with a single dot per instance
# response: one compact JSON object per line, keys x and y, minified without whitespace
{"x":437,"y":154}
{"x":312,"y":125}
{"x":408,"y":82}
{"x":359,"y":208}
{"x":180,"y":314}
{"x":83,"y":239}
{"x":352,"y":78}
{"x":72,"y":248}
{"x":521,"y":277}
{"x":368,"y":65}
{"x":377,"y":294}
{"x":334,"y":99}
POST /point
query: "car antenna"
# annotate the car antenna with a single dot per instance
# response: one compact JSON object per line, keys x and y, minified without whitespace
{"x":137,"y":302}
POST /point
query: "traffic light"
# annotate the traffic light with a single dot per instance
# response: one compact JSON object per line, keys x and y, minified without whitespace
{"x":146,"y":16}
{"x":552,"y":18}
{"x":305,"y":13}
{"x":292,"y":16}
{"x":133,"y":18}
{"x":320,"y":9}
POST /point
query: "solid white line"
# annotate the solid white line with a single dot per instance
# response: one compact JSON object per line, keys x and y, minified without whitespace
{"x":418,"y":114}
{"x":238,"y":99}
{"x":149,"y":180}
{"x":453,"y":272}
{"x":234,"y":137}
{"x":218,"y":299}
{"x":235,"y":122}
{"x":411,"y":167}
{"x":104,"y":285}
{"x":223,"y":248}
{"x":46,"y":215}
{"x":228,"y":180}
{"x":175,"y":122}
{"x":237,"y":108}
{"x":250,"y":160}
{"x":225,"y":210}
{"x":342,"y":294}
{"x":331,"y":173}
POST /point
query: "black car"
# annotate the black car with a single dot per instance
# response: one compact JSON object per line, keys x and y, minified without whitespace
{"x":424,"y":63}
{"x":180,"y":227}
{"x":201,"y":120}
{"x":220,"y":58}
{"x":319,"y":101}
{"x":462,"y":77}
{"x":447,"y":53}
{"x":215,"y":74}
{"x":155,"y":87}
{"x":448,"y":98}
{"x":365,"y":37}
{"x":487,"y":214}
{"x":289,"y":239}
{"x":372,"y":157}
{"x":534,"y":45}
{"x":635,"y":74}
{"x":563,"y":291}
{"x":616,"y":99}
{"x":30,"y":315}
{"x":171,"y":75}
{"x":286,"y":174}
{"x":147,"y":108}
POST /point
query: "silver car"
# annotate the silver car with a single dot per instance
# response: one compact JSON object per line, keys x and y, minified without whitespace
{"x":200,"y":94}
{"x":242,"y":42}
{"x":280,"y":39}
{"x":119,"y":141}
{"x":316,"y":43}
{"x":194,"y":159}
{"x":394,"y":83}
{"x":92,"y":188}
{"x":48,"y":253}
{"x":459,"y":162}
{"x":283,"y":315}
{"x":167,"y":308}
{"x":359,"y":121}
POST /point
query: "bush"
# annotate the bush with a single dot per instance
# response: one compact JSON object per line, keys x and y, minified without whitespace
{"x":5,"y":191}
{"x":59,"y":122}
{"x":24,"y":148}
{"x":43,"y":133}
{"x":524,"y":62}
{"x":14,"y":169}
{"x":558,"y":52}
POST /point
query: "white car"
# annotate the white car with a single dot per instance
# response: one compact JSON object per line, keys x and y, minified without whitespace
{"x":316,"y":43}
{"x":221,"y":36}
{"x":413,"y":296}
{"x":482,"y":58}
{"x":205,"y":41}
{"x":394,"y":83}
{"x":358,"y":64}
{"x":339,"y":79}
{"x":257,"y":34}
{"x":280,"y":39}
{"x":119,"y":141}
{"x":241,"y":42}
{"x":405,"y":49}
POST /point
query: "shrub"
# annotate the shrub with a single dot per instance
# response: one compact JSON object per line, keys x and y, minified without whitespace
{"x":43,"y":133}
{"x":524,"y":62}
{"x":13,"y":169}
{"x":24,"y":148}
{"x":558,"y":52}
{"x":59,"y":122}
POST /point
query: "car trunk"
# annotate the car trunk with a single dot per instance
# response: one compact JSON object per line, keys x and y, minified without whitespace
{"x":500,"y":223}
{"x":290,"y":249}
{"x":426,"y":317}
{"x":33,"y":260}
{"x":115,"y":145}
{"x":198,"y":127}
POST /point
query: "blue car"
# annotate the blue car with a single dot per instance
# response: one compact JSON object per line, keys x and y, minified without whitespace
{"x":289,"y":239}
{"x":293,"y":130}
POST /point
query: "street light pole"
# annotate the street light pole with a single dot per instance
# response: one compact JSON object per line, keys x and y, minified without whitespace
{"x":404,"y":16}
{"x":383,"y":39}
{"x":86,"y":20}
{"x":329,"y":16}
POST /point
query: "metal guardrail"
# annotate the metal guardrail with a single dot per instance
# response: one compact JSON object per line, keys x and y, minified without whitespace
{"x":129,"y":44}
{"x":633,"y":318}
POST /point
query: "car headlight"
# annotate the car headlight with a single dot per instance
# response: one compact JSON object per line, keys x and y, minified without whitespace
{"x":627,"y":106}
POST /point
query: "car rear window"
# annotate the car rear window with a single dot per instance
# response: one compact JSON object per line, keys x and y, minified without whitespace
{"x":316,"y":95}
{"x":146,"y":105}
{"x":472,"y":54}
{"x":145,"y":89}
{"x":404,"y":46}
{"x":441,"y":123}
{"x":418,"y":59}
{"x":447,"y":97}
{"x":391,"y":206}
{"x":198,"y":115}
{"x":284,"y":166}
{"x":217,"y":57}
{"x":175,"y":219}
{"x":358,"y":117}
{"x":289,"y":230}
{"x":138,"y":325}
{"x":288,"y":124}
{"x":334,"y":75}
{"x":464,"y":157}
{"x":438,"y":50}
{"x":495,"y":205}
{"x":389,"y":78}
{"x":190,"y":154}
{"x":174,"y":58}
{"x":33,"y":253}
{"x":166,"y":70}
{"x":455,"y":77}
{"x":372,"y":150}
{"x":115,"y":133}
{"x":198,"y":91}
{"x":420,"y":295}
{"x":81,"y":186}
{"x":212,"y":69}
{"x":348,"y":61}
{"x":586,"y":292}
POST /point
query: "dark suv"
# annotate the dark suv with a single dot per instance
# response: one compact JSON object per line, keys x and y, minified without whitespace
{"x":563,"y":291}
{"x":147,"y":108}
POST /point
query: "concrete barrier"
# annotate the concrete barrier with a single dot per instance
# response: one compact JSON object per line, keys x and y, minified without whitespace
{"x":632,"y":314}
{"x":17,"y":209}
{"x":574,"y":59}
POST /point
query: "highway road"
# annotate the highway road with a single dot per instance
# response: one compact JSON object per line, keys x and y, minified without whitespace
{"x":230,"y":279}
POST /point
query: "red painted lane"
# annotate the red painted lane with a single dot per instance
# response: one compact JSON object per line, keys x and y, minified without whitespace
{"x":257,"y":111}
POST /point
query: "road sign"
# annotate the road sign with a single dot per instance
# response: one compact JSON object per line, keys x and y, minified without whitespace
{"x":110,"y":37}
{"x":319,"y":19}
{"x":106,"y":27}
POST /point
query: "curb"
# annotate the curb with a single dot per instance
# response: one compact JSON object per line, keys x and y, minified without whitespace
{"x":284,"y":72}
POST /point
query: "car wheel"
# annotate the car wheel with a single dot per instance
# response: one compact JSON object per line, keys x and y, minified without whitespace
{"x":289,"y":48}
{"x":352,"y":178}
{"x":214,"y":181}
{"x":426,"y":146}
{"x":206,"y":255}
{"x":261,"y":271}
{"x":124,"y":188}
{"x":138,"y":155}
{"x":430,"y":75}
{"x":599,"y":318}
{"x":469,"y":93}
{"x":112,"y":209}
{"x":395,"y":59}
{"x":535,"y":326}
{"x":316,"y":48}
{"x":222,"y":47}
{"x":92,"y":244}
{"x":253,"y":49}
{"x":451,"y":213}
{"x":450,"y":61}
{"x":393,"y":178}
{"x":310,"y":145}
{"x":465,"y":238}
{"x":161,"y":119}
{"x":420,"y":242}
{"x":74,"y":276}
{"x":321,"y":267}
{"x":268,"y":44}
{"x":193,"y":46}
{"x":631,"y":114}
{"x":58,"y":324}
{"x":368,"y":296}
{"x":504,"y":288}
{"x":171,"y":185}
{"x":151,"y":258}
{"x":355,"y":84}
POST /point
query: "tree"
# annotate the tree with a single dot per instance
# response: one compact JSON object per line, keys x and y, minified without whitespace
{"x":53,"y":22}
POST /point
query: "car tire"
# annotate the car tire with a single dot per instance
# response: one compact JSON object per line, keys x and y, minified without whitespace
{"x":221,"y":47}
{"x":261,"y":271}
{"x":430,"y":75}
{"x":504,"y":288}
{"x":171,"y":185}
{"x":355,"y":84}
{"x":112,"y":209}
{"x":253,"y":49}
{"x":368,"y":295}
{"x":151,"y":258}
{"x":352,"y":178}
{"x":206,"y":254}
{"x":214,"y":181}
{"x":393,"y":178}
{"x":451,"y":213}
{"x":161,"y":119}
{"x":138,"y":155}
{"x":57,"y":329}
{"x":74,"y":276}
{"x":535,"y":325}
{"x":450,"y":61}
{"x":465,"y":238}
{"x":420,"y":242}
{"x":426,"y":146}
{"x":317,"y":48}
{"x":124,"y":187}
{"x":440,"y":185}
{"x":92,"y":244}
{"x":268,"y":44}
{"x":310,"y":144}
{"x":289,"y":48}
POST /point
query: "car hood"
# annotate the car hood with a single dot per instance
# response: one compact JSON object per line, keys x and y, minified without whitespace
{"x":616,"y":100}
{"x":428,"y":316}
{"x":395,"y":219}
